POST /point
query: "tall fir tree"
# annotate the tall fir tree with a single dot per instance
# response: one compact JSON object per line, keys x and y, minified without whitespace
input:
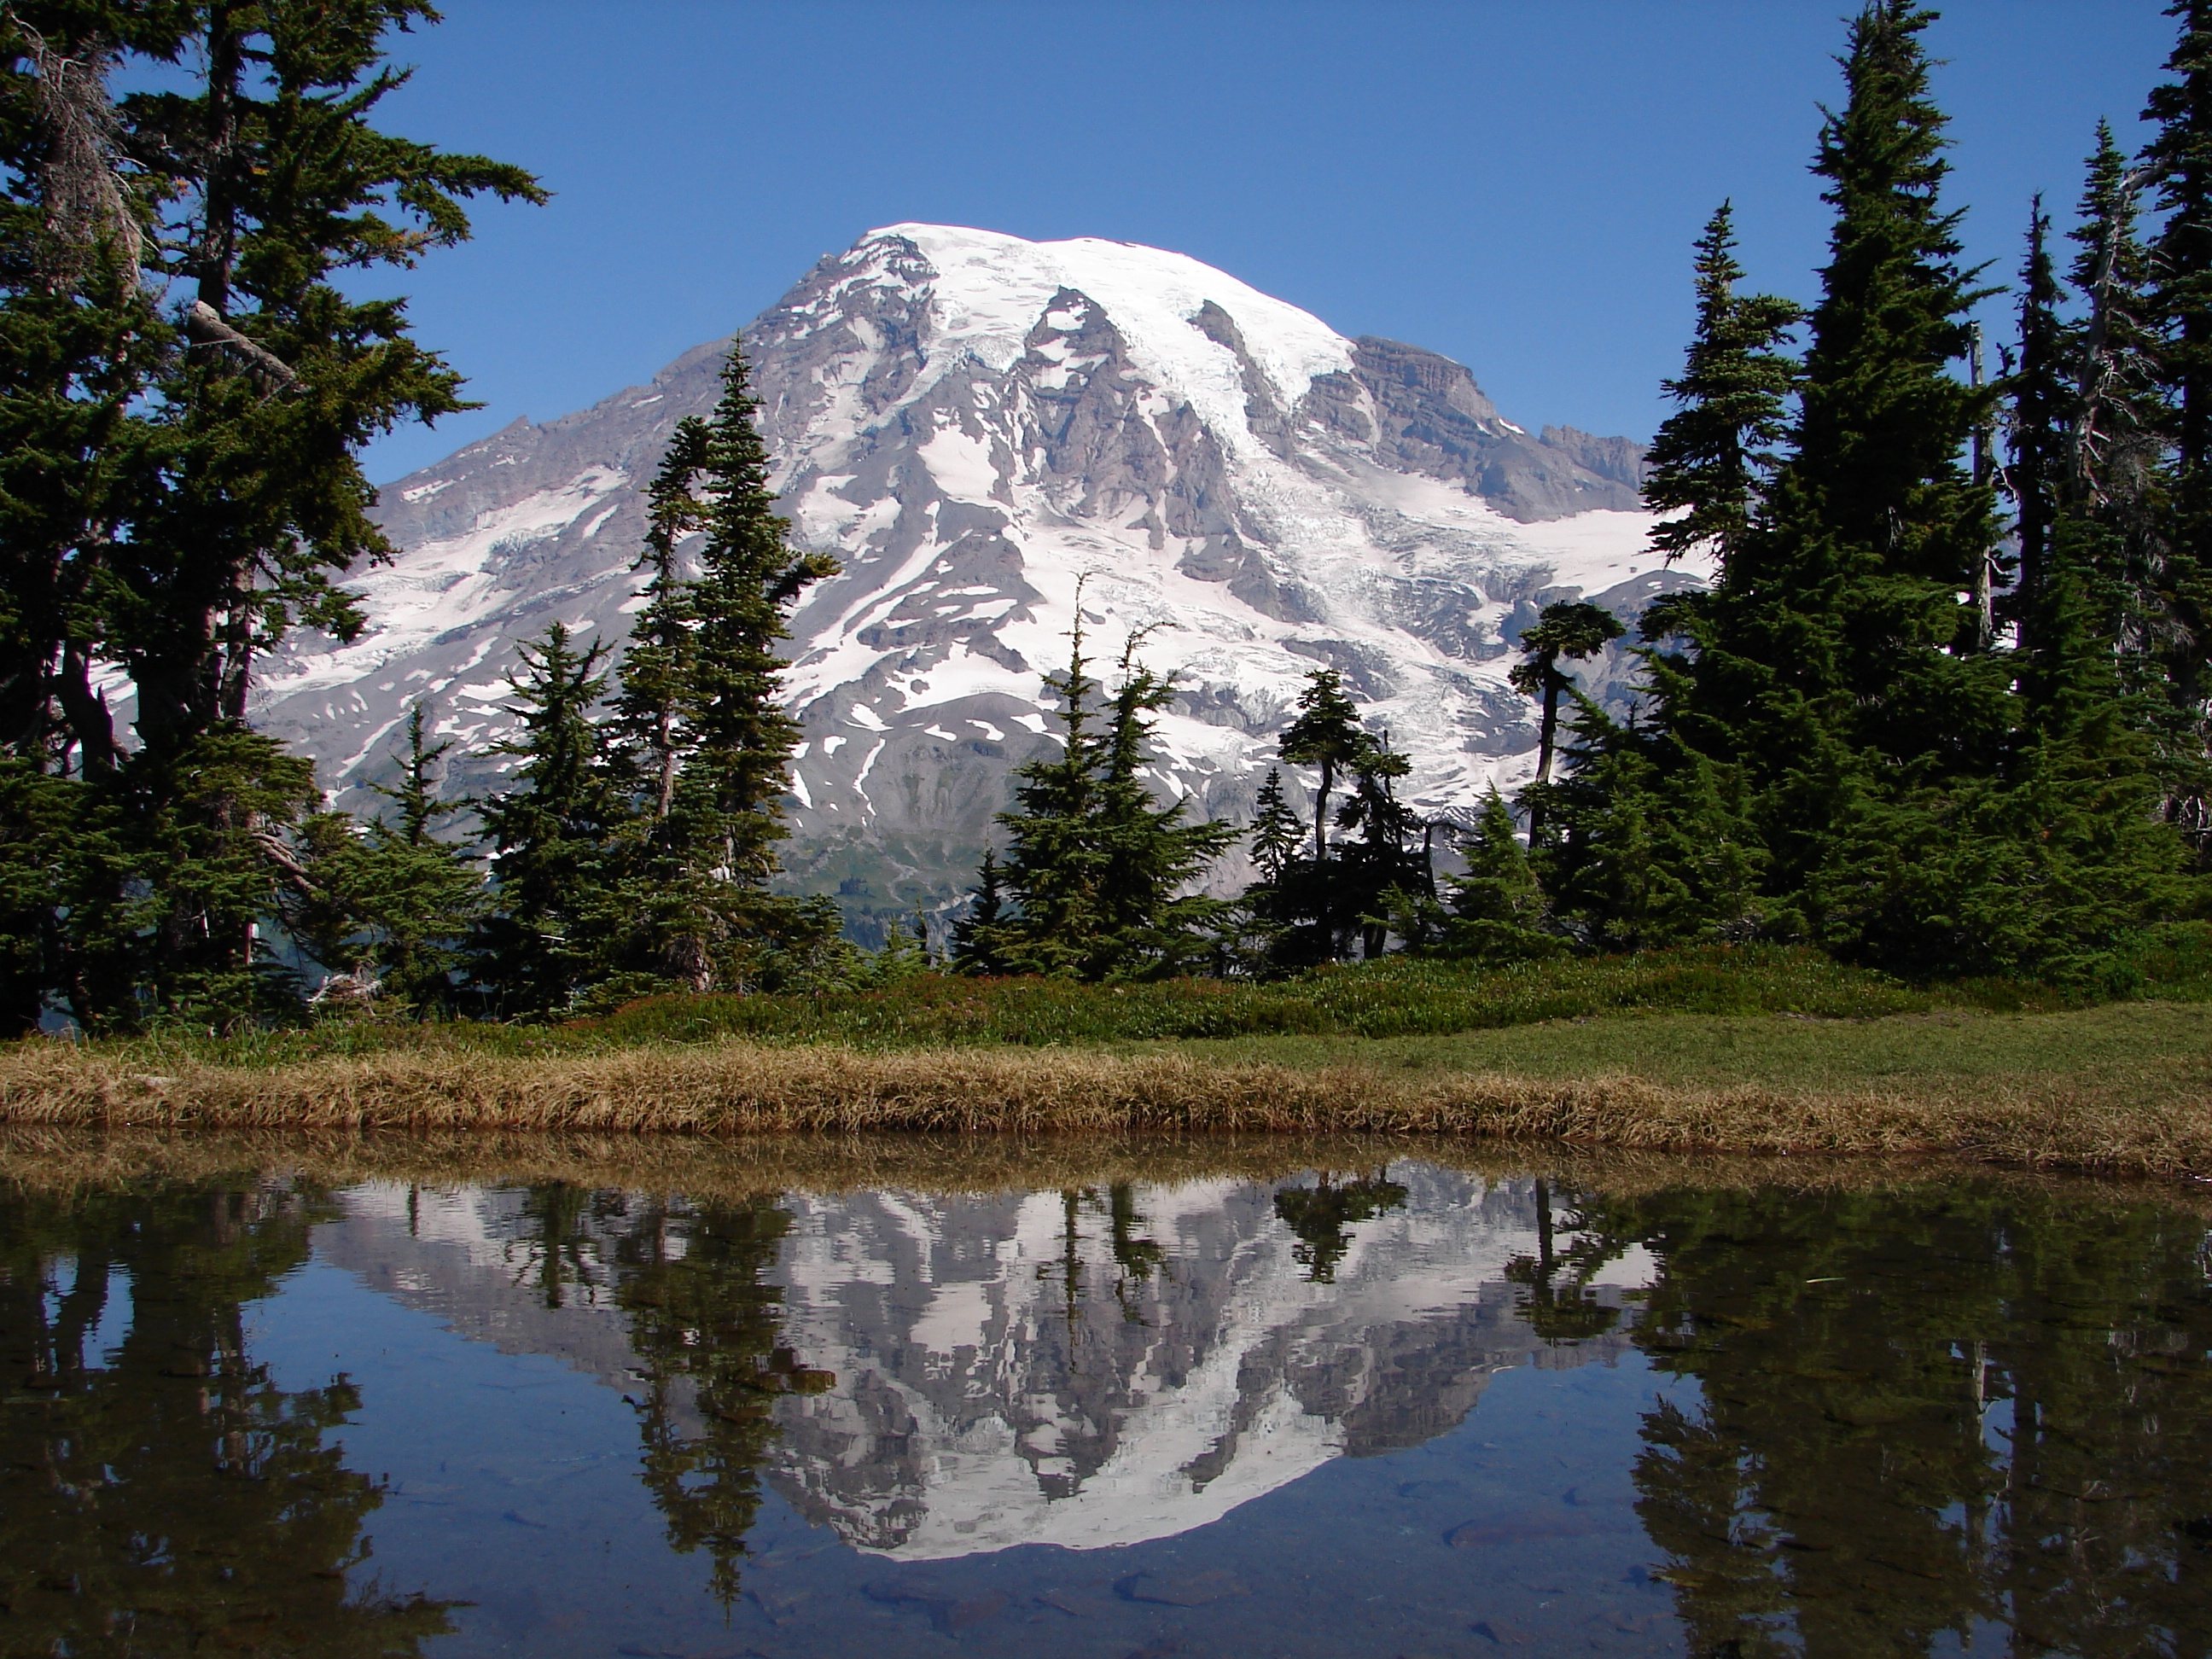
{"x":2179,"y":292}
{"x":1100,"y":870}
{"x":551,"y":837}
{"x":1710,"y":460}
{"x":190,"y":380}
{"x":1325,"y":734}
{"x":1385,"y":884}
{"x":1054,"y":861}
{"x":1570,"y":629}
{"x":701,"y":732}
{"x":1834,"y":678}
{"x":1153,"y":923}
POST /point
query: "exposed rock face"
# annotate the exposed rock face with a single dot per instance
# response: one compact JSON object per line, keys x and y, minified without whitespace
{"x":973,"y":423}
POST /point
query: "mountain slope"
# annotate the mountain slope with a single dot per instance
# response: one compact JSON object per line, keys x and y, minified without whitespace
{"x":975,"y":423}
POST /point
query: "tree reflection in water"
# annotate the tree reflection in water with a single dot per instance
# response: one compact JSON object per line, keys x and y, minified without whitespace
{"x":158,"y":1493}
{"x":1924,"y":1410}
{"x":1559,"y":1300}
{"x":1324,"y":1215}
{"x":704,"y":1327}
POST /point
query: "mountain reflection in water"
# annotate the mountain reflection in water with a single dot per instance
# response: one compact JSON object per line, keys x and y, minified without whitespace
{"x":1851,"y":1420}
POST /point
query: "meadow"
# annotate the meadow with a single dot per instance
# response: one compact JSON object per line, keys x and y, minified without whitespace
{"x":1756,"y":1051}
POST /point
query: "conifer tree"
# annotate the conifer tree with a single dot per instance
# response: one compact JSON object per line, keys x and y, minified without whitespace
{"x":389,"y":908}
{"x":2041,"y":403}
{"x":1054,"y":862}
{"x":1381,"y":880}
{"x":979,"y":936}
{"x":1098,"y":868}
{"x":1497,"y":908}
{"x":1710,"y":461}
{"x":750,"y":576}
{"x":551,"y":835}
{"x":1833,"y":684}
{"x":1278,"y":831}
{"x":1152,"y":854}
{"x":178,"y":481}
{"x":703,"y":736}
{"x":2121,"y":405}
{"x":1570,"y":629}
{"x":1325,"y":734}
{"x":2180,"y":302}
{"x":650,"y":727}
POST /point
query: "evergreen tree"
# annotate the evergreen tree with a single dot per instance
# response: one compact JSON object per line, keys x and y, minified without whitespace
{"x":178,"y":481}
{"x":388,"y":909}
{"x":2039,"y":399}
{"x":1569,"y":629}
{"x":1374,"y":881}
{"x":1054,"y":861}
{"x":650,"y":727}
{"x":207,"y":825}
{"x":2180,"y":295}
{"x":1152,"y":853}
{"x":1833,"y":683}
{"x":980,"y":937}
{"x":1097,"y":867}
{"x":551,"y":835}
{"x":2085,"y":773}
{"x":1381,"y":881}
{"x":1710,"y":461}
{"x":1497,"y":908}
{"x":1278,"y":831}
{"x":2121,"y":404}
{"x":1325,"y":734}
{"x":703,"y":739}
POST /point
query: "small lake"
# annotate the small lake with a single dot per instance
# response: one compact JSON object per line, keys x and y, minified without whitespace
{"x":1367,"y":1400}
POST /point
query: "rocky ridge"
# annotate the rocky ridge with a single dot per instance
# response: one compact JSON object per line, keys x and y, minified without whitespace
{"x":975,"y":425}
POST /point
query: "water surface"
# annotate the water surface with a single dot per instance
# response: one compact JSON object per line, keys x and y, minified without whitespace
{"x":1396,"y":1406}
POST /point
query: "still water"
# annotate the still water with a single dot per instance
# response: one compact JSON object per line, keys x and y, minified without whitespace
{"x":1400,"y":1406}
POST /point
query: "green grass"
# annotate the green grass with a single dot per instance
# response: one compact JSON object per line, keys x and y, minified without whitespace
{"x":2145,"y":1049}
{"x":1646,"y":1011}
{"x":1395,"y":997}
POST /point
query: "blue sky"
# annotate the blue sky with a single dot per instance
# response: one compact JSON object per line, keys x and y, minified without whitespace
{"x":1511,"y":183}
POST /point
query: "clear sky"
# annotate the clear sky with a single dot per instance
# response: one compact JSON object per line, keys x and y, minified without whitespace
{"x":1515,"y":184}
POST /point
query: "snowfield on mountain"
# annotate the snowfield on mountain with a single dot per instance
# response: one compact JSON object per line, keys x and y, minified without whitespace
{"x":973,"y":424}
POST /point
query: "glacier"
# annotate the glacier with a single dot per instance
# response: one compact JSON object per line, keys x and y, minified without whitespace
{"x":979,"y":427}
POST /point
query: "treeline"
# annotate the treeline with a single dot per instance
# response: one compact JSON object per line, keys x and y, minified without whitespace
{"x":1946,"y":707}
{"x":1944,"y":710}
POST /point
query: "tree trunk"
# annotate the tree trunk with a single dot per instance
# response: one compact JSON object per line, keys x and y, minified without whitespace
{"x":1321,"y":812}
{"x":1985,"y":619}
{"x":1546,"y":732}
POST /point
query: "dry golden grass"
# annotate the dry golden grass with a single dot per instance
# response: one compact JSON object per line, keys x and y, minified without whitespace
{"x":735,"y":1090}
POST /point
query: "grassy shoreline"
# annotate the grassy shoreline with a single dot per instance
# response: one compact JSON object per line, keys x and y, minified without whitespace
{"x":2121,"y":1089}
{"x":1754,"y":1050}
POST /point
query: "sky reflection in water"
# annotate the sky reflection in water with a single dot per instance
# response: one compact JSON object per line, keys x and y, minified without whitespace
{"x":1397,"y":1409}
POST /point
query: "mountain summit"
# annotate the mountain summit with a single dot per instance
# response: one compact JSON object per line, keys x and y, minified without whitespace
{"x":973,"y":423}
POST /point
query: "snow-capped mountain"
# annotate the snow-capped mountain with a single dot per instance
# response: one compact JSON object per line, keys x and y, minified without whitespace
{"x":1087,"y":1369}
{"x":973,"y":424}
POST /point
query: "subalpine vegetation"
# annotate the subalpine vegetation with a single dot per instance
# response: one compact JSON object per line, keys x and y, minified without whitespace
{"x":1944,"y":708}
{"x":1943,"y":717}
